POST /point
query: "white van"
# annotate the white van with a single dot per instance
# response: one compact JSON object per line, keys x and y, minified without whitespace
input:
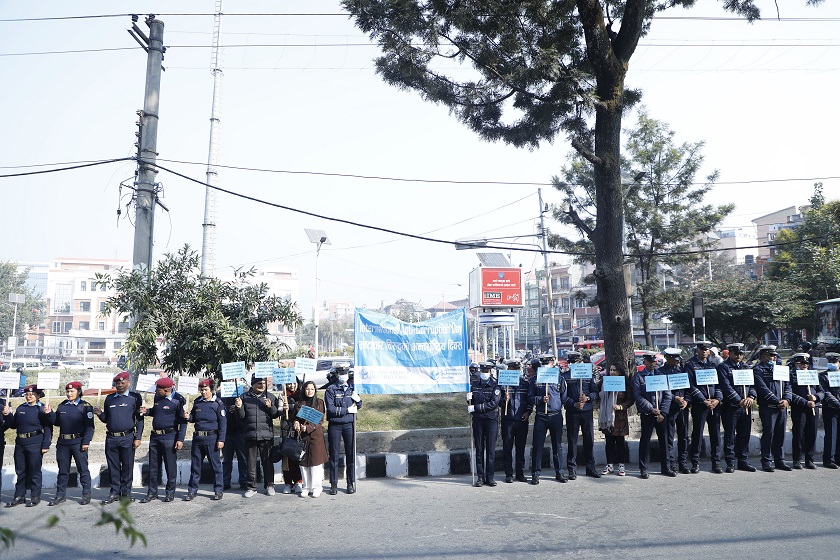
{"x":28,"y":364}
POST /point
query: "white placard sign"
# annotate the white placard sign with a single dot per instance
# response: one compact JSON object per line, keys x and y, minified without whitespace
{"x":305,"y":366}
{"x":101,"y":380}
{"x":263,"y":370}
{"x":834,"y":379}
{"x":233,"y":370}
{"x":743,"y":377}
{"x":146,"y":382}
{"x":807,"y":377}
{"x":781,"y":373}
{"x":228,"y":389}
{"x":48,"y":380}
{"x":188,"y":384}
{"x":9,"y":380}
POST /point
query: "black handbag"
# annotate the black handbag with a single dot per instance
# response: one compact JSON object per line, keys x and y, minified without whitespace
{"x":290,"y":446}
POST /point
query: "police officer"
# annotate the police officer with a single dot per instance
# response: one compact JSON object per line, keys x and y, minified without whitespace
{"x":547,"y":401}
{"x":34,"y":435}
{"x":123,"y":429}
{"x":515,"y":413}
{"x":737,"y":410}
{"x":705,"y":400}
{"x":342,"y":405}
{"x":168,"y":430}
{"x":653,"y":406}
{"x":2,"y":434}
{"x":831,"y":413}
{"x":678,"y":413}
{"x":581,"y":395}
{"x":234,"y":444}
{"x":74,"y":418}
{"x":483,"y":406}
{"x":210,"y":419}
{"x":773,"y":401}
{"x":473,"y":372}
{"x":803,"y":410}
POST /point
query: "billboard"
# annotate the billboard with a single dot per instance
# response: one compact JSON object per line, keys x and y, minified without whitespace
{"x":496,"y":287}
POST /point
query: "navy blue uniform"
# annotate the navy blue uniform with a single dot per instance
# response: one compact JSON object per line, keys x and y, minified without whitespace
{"x":123,"y":425}
{"x":485,"y":427}
{"x":550,"y":420}
{"x":342,"y":425}
{"x":168,"y":427}
{"x":646,"y":403}
{"x":831,"y":420}
{"x":773,"y":419}
{"x":702,"y":415}
{"x":737,"y":420}
{"x":2,"y":436}
{"x":580,"y":420}
{"x":515,"y":427}
{"x":34,"y":433}
{"x":804,"y":432}
{"x":677,"y":419}
{"x":234,"y":446}
{"x":210,"y":419}
{"x":75,"y":422}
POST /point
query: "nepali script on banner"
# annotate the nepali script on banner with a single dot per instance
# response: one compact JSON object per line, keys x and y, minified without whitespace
{"x":394,"y":357}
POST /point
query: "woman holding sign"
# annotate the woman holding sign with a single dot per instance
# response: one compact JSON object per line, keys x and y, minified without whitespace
{"x":613,"y":420}
{"x":34,"y":435}
{"x":806,"y":392}
{"x":312,"y":463}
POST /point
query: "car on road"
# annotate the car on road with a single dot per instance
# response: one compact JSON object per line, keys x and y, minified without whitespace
{"x":70,"y":365}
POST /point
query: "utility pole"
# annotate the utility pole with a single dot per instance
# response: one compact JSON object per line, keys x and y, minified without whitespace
{"x":553,"y":328}
{"x":208,"y":239}
{"x":145,"y":186}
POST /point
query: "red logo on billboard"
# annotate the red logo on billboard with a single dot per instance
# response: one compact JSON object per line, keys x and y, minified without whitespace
{"x":501,"y":287}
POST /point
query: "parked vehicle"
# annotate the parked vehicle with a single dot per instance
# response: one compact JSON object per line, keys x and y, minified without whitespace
{"x":70,"y":365}
{"x":27,"y":364}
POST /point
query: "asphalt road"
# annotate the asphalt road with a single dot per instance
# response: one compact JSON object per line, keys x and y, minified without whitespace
{"x":741,"y":515}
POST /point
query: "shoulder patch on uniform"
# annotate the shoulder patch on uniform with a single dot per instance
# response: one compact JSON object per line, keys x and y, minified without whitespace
{"x":497,"y":392}
{"x":90,"y":414}
{"x":223,"y":412}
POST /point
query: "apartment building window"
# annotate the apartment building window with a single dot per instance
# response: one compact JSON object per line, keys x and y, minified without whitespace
{"x":117,"y":345}
{"x":102,"y":305}
{"x":84,"y":325}
{"x":84,"y":306}
{"x":101,"y":325}
{"x":83,"y":286}
{"x":96,"y":345}
{"x":63,"y":295}
{"x":564,"y":283}
{"x":102,"y":287}
{"x":56,"y":327}
{"x":122,"y":327}
{"x":68,"y":325}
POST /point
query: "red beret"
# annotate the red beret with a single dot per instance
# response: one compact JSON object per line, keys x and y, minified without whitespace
{"x":74,"y":385}
{"x":164,"y":383}
{"x":121,"y":375}
{"x":207,"y":382}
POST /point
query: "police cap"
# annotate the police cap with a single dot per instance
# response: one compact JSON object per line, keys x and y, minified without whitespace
{"x":704,"y":345}
{"x":487,"y":366}
{"x":513,"y":363}
{"x":735,"y":348}
{"x":801,"y":358}
{"x":474,"y":367}
{"x":768,"y":349}
{"x":574,"y":356}
{"x":546,"y":359}
{"x":535,"y":364}
{"x":34,"y":389}
{"x":832,"y":357}
{"x":649,"y":356}
{"x":672,"y":352}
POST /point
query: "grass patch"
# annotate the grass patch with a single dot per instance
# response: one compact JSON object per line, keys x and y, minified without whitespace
{"x":407,"y":412}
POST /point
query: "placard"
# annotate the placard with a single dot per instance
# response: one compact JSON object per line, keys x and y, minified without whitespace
{"x":310,"y":414}
{"x":305,"y":366}
{"x":706,"y":376}
{"x":233,"y":370}
{"x":263,"y":370}
{"x":781,"y":373}
{"x":743,"y":377}
{"x":9,"y":380}
{"x":228,"y":389}
{"x":101,"y":380}
{"x":834,"y":379}
{"x":656,"y":383}
{"x":676,"y":381}
{"x":548,"y":375}
{"x":581,"y":370}
{"x":803,"y":377}
{"x":146,"y":382}
{"x":509,"y":377}
{"x":188,"y":384}
{"x":48,"y":380}
{"x":614,"y":383}
{"x":283,"y":376}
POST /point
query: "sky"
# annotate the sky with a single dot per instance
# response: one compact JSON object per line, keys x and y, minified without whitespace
{"x":300,"y":98}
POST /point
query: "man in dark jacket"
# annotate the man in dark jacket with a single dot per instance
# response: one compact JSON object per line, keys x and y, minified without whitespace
{"x":169,"y":427}
{"x":581,"y":395}
{"x":774,"y":398}
{"x":653,"y":407}
{"x":483,"y":407}
{"x":515,"y":413}
{"x":234,"y":445}
{"x":737,"y":410}
{"x":256,"y":411}
{"x":547,"y":400}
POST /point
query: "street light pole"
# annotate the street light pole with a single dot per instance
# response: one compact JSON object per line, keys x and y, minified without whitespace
{"x":319,"y":237}
{"x":16,"y":299}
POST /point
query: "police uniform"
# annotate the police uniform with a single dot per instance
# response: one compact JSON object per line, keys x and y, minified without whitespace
{"x":75,"y":422}
{"x":737,"y":411}
{"x":123,"y":425}
{"x":549,"y":418}
{"x":340,"y":397}
{"x":831,"y":414}
{"x":515,"y":412}
{"x":2,"y":435}
{"x":168,"y":428}
{"x":773,"y":418}
{"x":210,"y":419}
{"x":234,"y":446}
{"x":804,"y":432}
{"x":703,"y":415}
{"x":646,"y":403}
{"x":34,"y":434}
{"x":678,"y":415}
{"x":579,"y":419}
{"x":483,"y":406}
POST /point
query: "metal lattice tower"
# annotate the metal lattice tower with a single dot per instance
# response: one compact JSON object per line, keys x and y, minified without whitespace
{"x":208,"y":241}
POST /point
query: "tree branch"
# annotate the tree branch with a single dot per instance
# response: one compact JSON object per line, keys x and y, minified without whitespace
{"x":579,"y":223}
{"x":586,"y":153}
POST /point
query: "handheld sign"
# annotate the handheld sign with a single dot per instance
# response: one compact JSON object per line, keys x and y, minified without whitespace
{"x":677,"y":381}
{"x":834,"y":379}
{"x":706,"y":376}
{"x":803,"y":377}
{"x":9,"y":380}
{"x":656,"y":383}
{"x":263,"y":370}
{"x":228,"y":389}
{"x":283,"y":376}
{"x":509,"y":377}
{"x":614,"y":383}
{"x":743,"y":377}
{"x":581,"y":371}
{"x":101,"y":380}
{"x":187,"y":385}
{"x":305,"y":366}
{"x":233,"y":370}
{"x":548,"y":375}
{"x":310,"y":414}
{"x":146,"y":382}
{"x":781,"y":373}
{"x":48,"y":380}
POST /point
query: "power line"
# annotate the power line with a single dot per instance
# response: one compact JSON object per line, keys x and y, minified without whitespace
{"x":80,"y":166}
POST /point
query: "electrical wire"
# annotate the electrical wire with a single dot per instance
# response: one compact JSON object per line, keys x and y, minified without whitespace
{"x":80,"y":166}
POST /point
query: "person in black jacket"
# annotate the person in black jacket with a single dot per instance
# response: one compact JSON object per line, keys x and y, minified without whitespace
{"x":483,"y":407}
{"x":74,"y":417}
{"x":34,"y":435}
{"x":773,"y":401}
{"x":343,"y":403}
{"x":515,"y":413}
{"x":234,"y":442}
{"x":257,"y":410}
{"x":804,"y":412}
{"x":737,"y":410}
{"x":581,"y":395}
{"x":831,"y":412}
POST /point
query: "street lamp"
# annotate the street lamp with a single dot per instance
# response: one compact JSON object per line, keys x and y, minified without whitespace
{"x":12,"y":342}
{"x":318,"y":237}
